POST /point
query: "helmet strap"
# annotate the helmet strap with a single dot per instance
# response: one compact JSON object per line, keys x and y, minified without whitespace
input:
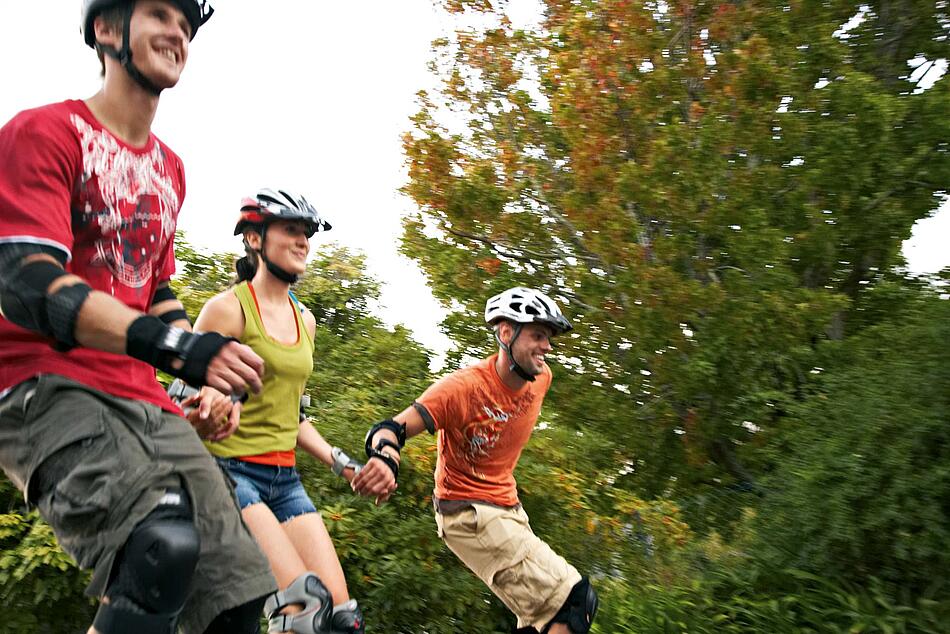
{"x":513,"y":365}
{"x":276,"y":271}
{"x":124,"y":56}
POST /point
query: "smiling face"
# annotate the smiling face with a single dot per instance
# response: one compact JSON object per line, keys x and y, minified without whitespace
{"x":530,"y":347}
{"x":287,"y":244}
{"x":159,"y":34}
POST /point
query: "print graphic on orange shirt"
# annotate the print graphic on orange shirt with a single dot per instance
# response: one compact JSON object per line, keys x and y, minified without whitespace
{"x":482,"y":435}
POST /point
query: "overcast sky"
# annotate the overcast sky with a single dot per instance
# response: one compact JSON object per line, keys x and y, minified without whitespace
{"x":308,"y":96}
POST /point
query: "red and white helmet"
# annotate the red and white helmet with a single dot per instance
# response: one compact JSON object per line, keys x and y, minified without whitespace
{"x":269,"y":204}
{"x":525,"y":306}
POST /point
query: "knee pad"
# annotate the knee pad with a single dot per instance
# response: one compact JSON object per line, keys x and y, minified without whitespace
{"x":152,"y":574}
{"x":308,"y":591}
{"x":579,"y":610}
{"x":243,"y":619}
{"x":347,"y":618}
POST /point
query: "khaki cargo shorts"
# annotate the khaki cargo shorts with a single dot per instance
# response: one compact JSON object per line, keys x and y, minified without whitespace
{"x":498,"y":545}
{"x":96,"y":465}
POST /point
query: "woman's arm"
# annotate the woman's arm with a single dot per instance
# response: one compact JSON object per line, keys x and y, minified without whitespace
{"x":310,"y":440}
{"x":222,"y":313}
{"x":216,"y":416}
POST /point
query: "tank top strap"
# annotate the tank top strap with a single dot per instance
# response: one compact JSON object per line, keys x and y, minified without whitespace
{"x":251,"y":317}
{"x":300,"y":321}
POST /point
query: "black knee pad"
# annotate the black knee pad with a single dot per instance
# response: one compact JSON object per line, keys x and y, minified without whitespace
{"x":152,"y":574}
{"x":244,"y":619}
{"x":579,"y":610}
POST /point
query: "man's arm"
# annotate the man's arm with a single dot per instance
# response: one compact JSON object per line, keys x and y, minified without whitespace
{"x":36,"y":293}
{"x":377,"y":478}
{"x":167,"y":307}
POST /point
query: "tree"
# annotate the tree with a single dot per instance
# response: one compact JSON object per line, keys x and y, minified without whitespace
{"x":707,"y":186}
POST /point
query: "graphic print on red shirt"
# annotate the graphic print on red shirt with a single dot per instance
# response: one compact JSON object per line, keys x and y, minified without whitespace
{"x":111,"y":208}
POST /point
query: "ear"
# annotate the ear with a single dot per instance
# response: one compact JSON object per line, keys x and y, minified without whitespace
{"x":107,"y":33}
{"x":253,"y":239}
{"x":505,"y":331}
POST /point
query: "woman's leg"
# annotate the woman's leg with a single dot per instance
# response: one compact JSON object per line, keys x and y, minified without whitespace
{"x":311,"y":543}
{"x":280,"y":551}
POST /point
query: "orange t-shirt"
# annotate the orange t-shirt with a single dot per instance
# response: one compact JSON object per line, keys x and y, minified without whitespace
{"x":484,"y":424}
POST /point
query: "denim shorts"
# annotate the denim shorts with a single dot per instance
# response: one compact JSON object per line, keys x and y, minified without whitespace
{"x":277,"y":487}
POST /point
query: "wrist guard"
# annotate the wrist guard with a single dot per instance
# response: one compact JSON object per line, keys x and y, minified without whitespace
{"x":341,"y":462}
{"x":179,"y":391}
{"x":376,"y":451}
{"x":390,"y":425}
{"x":388,"y":460}
{"x":160,"y":345}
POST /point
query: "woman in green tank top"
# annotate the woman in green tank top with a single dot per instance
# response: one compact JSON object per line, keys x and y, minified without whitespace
{"x":262,"y":313}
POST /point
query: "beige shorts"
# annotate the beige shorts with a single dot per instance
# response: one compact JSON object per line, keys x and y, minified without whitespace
{"x":499,"y":546}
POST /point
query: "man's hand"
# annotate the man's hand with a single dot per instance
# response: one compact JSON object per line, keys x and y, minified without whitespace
{"x":375,"y":479}
{"x":235,"y":369}
{"x":214,"y":415}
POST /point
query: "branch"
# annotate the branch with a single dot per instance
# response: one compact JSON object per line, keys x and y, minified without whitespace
{"x":499,"y":246}
{"x":583,"y":252}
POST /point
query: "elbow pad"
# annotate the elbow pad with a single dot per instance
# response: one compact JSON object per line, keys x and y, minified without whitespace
{"x":166,"y":294}
{"x":24,"y":302}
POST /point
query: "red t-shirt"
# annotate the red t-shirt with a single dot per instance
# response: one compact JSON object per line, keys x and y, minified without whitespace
{"x":483,"y":427}
{"x":68,"y":183}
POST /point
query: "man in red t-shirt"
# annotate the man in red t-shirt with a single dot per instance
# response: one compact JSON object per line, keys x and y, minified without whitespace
{"x":89,"y":200}
{"x":484,"y":415}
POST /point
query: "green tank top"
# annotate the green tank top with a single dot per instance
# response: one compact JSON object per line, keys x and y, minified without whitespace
{"x":270,"y":420}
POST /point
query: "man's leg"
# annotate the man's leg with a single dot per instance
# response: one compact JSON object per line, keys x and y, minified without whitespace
{"x":577,"y":613}
{"x":499,"y":546}
{"x":232,"y":574}
{"x":108,"y":505}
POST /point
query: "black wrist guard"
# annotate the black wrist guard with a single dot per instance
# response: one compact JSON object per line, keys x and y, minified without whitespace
{"x":389,"y":424}
{"x":376,"y":451}
{"x":160,"y":345}
{"x":388,"y":460}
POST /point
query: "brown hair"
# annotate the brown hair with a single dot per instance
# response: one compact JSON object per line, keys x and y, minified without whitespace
{"x":115,"y":17}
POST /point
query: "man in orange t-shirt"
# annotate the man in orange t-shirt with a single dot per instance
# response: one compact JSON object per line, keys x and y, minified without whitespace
{"x":485,"y":414}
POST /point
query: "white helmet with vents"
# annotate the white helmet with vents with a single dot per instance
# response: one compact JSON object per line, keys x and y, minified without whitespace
{"x":526,"y":306}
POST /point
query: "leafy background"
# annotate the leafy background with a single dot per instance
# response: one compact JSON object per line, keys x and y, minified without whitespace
{"x":748,"y":427}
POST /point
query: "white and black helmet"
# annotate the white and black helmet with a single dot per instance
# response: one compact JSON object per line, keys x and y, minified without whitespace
{"x":526,"y":306}
{"x":278,"y":204}
{"x":197,"y":13}
{"x":267,"y":205}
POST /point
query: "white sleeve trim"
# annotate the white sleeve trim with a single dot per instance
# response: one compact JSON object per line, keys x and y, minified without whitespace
{"x":41,"y":241}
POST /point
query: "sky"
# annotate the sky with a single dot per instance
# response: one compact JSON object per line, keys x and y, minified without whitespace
{"x":308,"y":96}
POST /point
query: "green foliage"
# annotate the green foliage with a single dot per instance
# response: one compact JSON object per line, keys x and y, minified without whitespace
{"x":40,"y":587}
{"x":729,"y":603}
{"x":863,"y":479}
